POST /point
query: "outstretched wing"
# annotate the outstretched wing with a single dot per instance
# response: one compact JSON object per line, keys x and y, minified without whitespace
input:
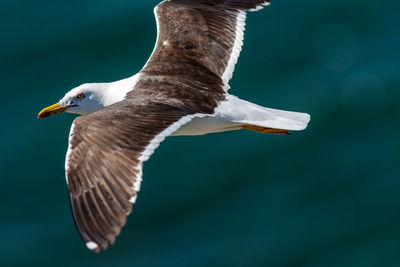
{"x":200,"y":34}
{"x":198,"y":46}
{"x":104,"y":163}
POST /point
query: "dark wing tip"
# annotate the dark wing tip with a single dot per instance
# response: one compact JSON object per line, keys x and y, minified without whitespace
{"x":251,"y":5}
{"x":93,"y":246}
{"x":97,"y":228}
{"x":247,"y":5}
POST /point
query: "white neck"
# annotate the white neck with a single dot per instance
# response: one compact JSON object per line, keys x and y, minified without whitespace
{"x":98,"y":95}
{"x":116,"y":91}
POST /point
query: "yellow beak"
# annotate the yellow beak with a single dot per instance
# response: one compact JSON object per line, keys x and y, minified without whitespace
{"x":53,"y":109}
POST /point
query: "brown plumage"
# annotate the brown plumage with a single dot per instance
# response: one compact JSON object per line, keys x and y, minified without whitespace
{"x":183,"y":77}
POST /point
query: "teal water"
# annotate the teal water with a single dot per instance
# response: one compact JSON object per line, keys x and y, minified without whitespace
{"x":327,"y":196}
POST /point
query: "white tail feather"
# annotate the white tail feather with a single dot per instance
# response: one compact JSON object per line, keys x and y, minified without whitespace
{"x":233,"y":113}
{"x":243,"y":112}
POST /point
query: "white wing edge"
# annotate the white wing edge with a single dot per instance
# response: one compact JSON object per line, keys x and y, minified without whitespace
{"x":69,"y":150}
{"x":145,"y":155}
{"x":266,"y":3}
{"x":236,"y":49}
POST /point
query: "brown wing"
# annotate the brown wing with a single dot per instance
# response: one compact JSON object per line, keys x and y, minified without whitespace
{"x":104,"y":163}
{"x":199,"y":36}
{"x":198,"y":45}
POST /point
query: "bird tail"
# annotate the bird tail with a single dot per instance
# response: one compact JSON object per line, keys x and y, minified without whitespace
{"x":261,"y":119}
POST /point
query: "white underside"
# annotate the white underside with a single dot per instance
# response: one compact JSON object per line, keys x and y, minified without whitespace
{"x":233,"y":113}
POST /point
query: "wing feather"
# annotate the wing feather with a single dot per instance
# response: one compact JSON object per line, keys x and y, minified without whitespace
{"x":200,"y":35}
{"x":186,"y":77}
{"x":106,"y":152}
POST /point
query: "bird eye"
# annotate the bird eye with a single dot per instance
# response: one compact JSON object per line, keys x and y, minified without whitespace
{"x":80,"y":96}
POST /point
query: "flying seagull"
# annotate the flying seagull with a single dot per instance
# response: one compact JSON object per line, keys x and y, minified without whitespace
{"x":181,"y":90}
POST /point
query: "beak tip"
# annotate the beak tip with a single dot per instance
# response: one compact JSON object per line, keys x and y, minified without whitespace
{"x":42,"y":115}
{"x":51,"y":110}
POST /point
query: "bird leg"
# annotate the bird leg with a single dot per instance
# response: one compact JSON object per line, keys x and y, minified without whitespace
{"x":261,"y":129}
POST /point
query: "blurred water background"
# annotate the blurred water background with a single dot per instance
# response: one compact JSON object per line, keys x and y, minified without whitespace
{"x":327,"y":196}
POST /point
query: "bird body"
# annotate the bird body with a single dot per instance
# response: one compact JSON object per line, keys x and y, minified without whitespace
{"x":231,"y":114}
{"x":181,"y":90}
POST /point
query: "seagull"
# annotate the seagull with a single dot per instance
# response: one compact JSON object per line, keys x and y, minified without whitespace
{"x":181,"y":90}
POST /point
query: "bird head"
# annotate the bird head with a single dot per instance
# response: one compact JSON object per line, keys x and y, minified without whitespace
{"x":82,"y":100}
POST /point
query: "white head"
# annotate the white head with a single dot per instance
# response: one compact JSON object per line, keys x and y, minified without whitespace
{"x":82,"y":100}
{"x":91,"y":97}
{"x":85,"y":99}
